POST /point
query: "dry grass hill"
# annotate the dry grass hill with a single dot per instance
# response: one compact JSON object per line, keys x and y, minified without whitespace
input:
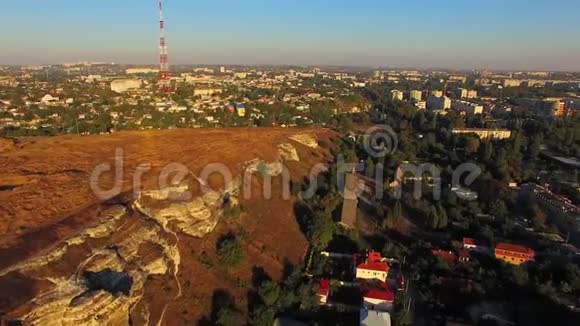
{"x":146,"y":257}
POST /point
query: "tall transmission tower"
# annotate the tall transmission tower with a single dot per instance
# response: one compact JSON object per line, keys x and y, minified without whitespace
{"x":164,"y":74}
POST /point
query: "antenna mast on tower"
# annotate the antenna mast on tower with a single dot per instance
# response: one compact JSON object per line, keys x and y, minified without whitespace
{"x":164,"y":75}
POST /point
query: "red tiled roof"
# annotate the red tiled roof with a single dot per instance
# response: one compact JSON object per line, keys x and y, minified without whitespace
{"x":374,"y":262}
{"x":463,"y":253}
{"x":446,"y":255}
{"x":469,"y":241}
{"x":381,"y":266}
{"x":514,"y":248}
{"x":379,"y":291}
{"x":323,"y":287}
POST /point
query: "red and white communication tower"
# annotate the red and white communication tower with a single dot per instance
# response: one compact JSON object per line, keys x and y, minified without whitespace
{"x":164,"y":75}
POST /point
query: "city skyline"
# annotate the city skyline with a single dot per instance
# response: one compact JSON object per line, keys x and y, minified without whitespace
{"x":520,"y":35}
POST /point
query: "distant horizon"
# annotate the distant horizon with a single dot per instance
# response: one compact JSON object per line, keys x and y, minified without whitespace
{"x":517,"y":35}
{"x":360,"y":66}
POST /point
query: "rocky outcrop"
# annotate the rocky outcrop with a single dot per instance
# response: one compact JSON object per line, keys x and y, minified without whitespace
{"x":173,"y":207}
{"x":264,"y":168}
{"x":69,"y":304}
{"x":108,"y":280}
{"x":288,"y":152}
{"x":305,"y":139}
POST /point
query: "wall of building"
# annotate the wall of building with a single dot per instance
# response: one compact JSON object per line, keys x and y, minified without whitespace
{"x":370,"y":274}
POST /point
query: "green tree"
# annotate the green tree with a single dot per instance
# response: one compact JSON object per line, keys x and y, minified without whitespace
{"x":443,"y":219}
{"x":230,"y":252}
{"x":321,"y":230}
{"x":263,"y":316}
{"x":269,"y":292}
{"x":230,"y":317}
{"x":486,"y":152}
{"x":498,"y":209}
{"x":434,"y":218}
{"x":472,"y":145}
{"x":398,"y":211}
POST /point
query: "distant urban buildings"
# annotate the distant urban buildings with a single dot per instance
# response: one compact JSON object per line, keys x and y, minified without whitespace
{"x":203,"y":92}
{"x":548,"y":107}
{"x":436,"y":103}
{"x":457,"y":78}
{"x":467,"y":93}
{"x":437,"y":93}
{"x":396,"y":95}
{"x":416,"y":95}
{"x":467,"y":107}
{"x":124,"y":85}
{"x":134,"y":71}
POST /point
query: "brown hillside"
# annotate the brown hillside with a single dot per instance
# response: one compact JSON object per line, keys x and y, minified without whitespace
{"x":54,"y":229}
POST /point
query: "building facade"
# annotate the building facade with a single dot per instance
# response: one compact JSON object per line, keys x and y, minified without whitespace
{"x":513,"y":254}
{"x":416,"y":95}
{"x":396,"y":95}
{"x":485,"y":133}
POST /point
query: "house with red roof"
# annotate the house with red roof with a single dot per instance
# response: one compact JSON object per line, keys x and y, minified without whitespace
{"x":374,"y":266}
{"x":469,"y":243}
{"x":377,"y":295}
{"x":463,"y":256}
{"x":323,"y":291}
{"x":475,"y":245}
{"x":447,"y":256}
{"x":513,"y":253}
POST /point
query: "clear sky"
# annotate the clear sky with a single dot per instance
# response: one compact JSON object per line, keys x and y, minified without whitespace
{"x":495,"y":34}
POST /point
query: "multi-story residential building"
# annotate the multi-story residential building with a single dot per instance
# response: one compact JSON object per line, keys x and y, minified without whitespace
{"x":467,"y":93}
{"x":132,"y":71}
{"x":203,"y":91}
{"x":438,"y":103}
{"x":548,"y":107}
{"x":457,"y":78}
{"x":467,"y":107}
{"x":437,"y":93}
{"x":396,"y":95}
{"x":485,"y":133}
{"x":416,"y":95}
{"x":512,"y":82}
{"x":422,"y":105}
{"x":124,"y":85}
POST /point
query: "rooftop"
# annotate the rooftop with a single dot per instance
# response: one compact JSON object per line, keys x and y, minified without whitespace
{"x":374,"y":261}
{"x":377,"y":290}
{"x":514,"y":248}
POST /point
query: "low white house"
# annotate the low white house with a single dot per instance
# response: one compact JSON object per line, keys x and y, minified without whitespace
{"x":373,"y":267}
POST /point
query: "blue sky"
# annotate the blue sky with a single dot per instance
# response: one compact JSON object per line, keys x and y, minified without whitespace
{"x":497,"y":34}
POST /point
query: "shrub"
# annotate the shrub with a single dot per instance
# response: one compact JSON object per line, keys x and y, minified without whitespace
{"x":230,"y":252}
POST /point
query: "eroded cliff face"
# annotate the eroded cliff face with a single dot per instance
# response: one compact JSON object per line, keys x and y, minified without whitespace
{"x":136,"y":261}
